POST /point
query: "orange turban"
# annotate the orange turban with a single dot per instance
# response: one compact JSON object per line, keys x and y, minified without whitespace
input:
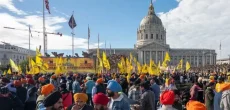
{"x":41,"y":79}
{"x":100,"y":81}
{"x":167,"y":98}
{"x":195,"y":105}
{"x":142,"y":76}
{"x":17,"y":83}
{"x":53,"y":76}
{"x":47,"y":89}
{"x":80,"y":97}
{"x":224,"y":86}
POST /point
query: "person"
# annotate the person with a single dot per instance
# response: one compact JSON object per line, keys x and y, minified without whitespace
{"x":69,"y":83}
{"x":53,"y":102}
{"x":225,"y":102}
{"x":117,"y":101}
{"x":99,"y":87}
{"x":209,"y":96}
{"x":134,"y":91}
{"x":21,"y":92}
{"x":76,"y":86}
{"x":194,"y":91}
{"x":80,"y":100}
{"x":89,"y":87}
{"x":218,"y":94}
{"x":66,"y":96}
{"x":45,"y":91}
{"x":53,"y":80}
{"x":100,"y":101}
{"x":32,"y":93}
{"x":167,"y":100}
{"x":9,"y":101}
{"x":156,"y":89}
{"x":195,"y":105}
{"x":147,"y":101}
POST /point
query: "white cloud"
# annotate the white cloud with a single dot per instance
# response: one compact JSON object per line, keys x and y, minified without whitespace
{"x":199,"y":24}
{"x":20,"y":0}
{"x":20,"y":38}
{"x":8,"y":4}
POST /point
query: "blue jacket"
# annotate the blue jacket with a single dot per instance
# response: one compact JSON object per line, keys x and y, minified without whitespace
{"x":120,"y":104}
{"x":217,"y":99}
{"x":76,"y":87}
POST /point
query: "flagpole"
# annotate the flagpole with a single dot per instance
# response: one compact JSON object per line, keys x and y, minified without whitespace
{"x":72,"y":37}
{"x":29,"y":40}
{"x":44,"y":35}
{"x":88,"y":37}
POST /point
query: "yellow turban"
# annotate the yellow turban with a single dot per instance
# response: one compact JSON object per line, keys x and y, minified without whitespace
{"x":80,"y":97}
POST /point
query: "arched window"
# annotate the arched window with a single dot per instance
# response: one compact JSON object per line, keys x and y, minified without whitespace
{"x":151,"y":36}
{"x":146,"y":36}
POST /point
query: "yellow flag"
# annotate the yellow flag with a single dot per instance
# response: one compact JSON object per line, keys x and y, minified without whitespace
{"x":129,"y":66}
{"x":144,"y":68}
{"x":9,"y":71}
{"x":13,"y":65}
{"x":187,"y":66}
{"x":180,"y":65}
{"x":4,"y":73}
{"x":130,"y":57}
{"x":166,"y":60}
{"x":38,"y":61}
{"x":139,"y":68}
{"x":38,"y":53}
{"x":19,"y":70}
{"x":105,"y":61}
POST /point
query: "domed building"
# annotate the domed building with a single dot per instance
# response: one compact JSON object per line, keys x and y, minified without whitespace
{"x":151,"y":44}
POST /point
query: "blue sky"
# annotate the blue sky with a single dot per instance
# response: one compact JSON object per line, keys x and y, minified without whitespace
{"x":189,"y":23}
{"x":115,"y":20}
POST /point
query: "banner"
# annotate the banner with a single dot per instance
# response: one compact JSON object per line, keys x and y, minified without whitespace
{"x":76,"y":65}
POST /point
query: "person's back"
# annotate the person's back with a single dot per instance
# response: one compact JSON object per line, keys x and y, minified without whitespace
{"x":89,"y":86}
{"x":6,"y":103}
{"x":147,"y":100}
{"x":76,"y":87}
{"x":225,"y":100}
{"x":22,"y":94}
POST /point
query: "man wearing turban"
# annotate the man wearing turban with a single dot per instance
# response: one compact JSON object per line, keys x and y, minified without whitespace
{"x":53,"y":101}
{"x":100,"y":101}
{"x":80,"y":100}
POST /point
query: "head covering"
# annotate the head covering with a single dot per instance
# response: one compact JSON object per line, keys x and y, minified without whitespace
{"x":200,"y":79}
{"x":17,"y":83}
{"x":114,"y":86}
{"x":88,"y":78}
{"x":142,"y":76}
{"x":80,"y":96}
{"x":30,"y":81}
{"x":63,"y":86}
{"x":195,"y":105}
{"x":47,"y":89}
{"x":51,"y":99}
{"x":100,"y":81}
{"x":29,"y":76}
{"x":224,"y":86}
{"x":167,"y":98}
{"x":100,"y":98}
{"x":41,"y":79}
{"x":53,"y":76}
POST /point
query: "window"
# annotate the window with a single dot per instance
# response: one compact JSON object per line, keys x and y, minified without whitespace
{"x":20,"y":57}
{"x":151,"y":36}
{"x":146,"y":36}
{"x":157,"y":36}
{"x":141,"y":37}
{"x":161,"y":37}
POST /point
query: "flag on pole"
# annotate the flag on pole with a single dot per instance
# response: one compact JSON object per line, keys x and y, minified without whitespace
{"x":47,"y":5}
{"x":187,"y":66}
{"x":72,"y":23}
{"x":88,"y":32}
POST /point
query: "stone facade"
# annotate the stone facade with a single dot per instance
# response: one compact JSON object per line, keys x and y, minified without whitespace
{"x":17,"y":54}
{"x":151,"y":44}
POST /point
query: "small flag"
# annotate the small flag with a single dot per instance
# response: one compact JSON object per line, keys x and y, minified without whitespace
{"x":72,"y":23}
{"x":88,"y":32}
{"x":47,"y":5}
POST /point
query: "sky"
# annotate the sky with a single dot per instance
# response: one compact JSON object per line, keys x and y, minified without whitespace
{"x":189,"y":23}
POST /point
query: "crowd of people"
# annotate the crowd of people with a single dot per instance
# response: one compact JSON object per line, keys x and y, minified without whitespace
{"x":115,"y":92}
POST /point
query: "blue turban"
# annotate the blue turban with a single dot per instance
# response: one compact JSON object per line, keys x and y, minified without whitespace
{"x":114,"y":86}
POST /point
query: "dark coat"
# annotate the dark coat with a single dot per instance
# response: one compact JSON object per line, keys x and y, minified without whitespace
{"x":86,"y":107}
{"x":209,"y":98}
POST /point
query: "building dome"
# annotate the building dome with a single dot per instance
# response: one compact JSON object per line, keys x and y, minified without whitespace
{"x":151,"y":18}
